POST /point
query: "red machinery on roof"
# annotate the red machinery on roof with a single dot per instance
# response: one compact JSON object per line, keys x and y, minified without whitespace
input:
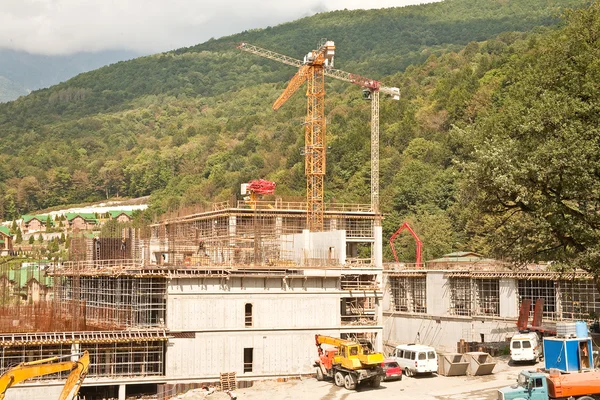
{"x":255,"y":188}
{"x":261,"y":186}
{"x":419,"y":244}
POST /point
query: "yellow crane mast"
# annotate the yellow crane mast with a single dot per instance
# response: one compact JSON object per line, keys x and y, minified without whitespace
{"x":371,"y":91}
{"x":312,"y":70}
{"x":28,"y":370}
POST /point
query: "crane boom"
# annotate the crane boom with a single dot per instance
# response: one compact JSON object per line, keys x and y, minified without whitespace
{"x":373,"y":86}
{"x":293,"y":85}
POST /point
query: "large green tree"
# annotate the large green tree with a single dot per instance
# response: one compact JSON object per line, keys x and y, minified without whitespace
{"x":533,"y":183}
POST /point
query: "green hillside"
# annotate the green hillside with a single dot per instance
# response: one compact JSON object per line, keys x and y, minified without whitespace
{"x":190,"y":125}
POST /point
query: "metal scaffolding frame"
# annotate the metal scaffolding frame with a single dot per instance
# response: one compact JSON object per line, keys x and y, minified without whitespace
{"x":113,"y":302}
{"x":534,"y":289}
{"x":112,"y":354}
{"x":486,"y":297}
{"x":461,"y":296}
{"x":579,"y":299}
{"x":409,"y":294}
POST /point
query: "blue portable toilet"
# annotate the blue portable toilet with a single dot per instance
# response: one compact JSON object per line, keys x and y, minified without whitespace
{"x":568,"y":354}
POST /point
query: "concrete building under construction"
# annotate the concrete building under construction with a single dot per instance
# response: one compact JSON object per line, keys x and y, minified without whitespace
{"x":234,"y":289}
{"x":466,"y":297}
{"x":242,"y":289}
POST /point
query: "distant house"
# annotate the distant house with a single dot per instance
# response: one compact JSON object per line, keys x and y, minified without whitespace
{"x":39,"y":289}
{"x":33,"y":223}
{"x":81,"y":221}
{"x":121,"y":216}
{"x":6,"y":241}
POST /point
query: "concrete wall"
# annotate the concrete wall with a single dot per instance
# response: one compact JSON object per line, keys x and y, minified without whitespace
{"x":274,"y":353}
{"x":444,"y":332}
{"x":216,"y":304}
{"x":438,"y":293}
{"x":509,"y":302}
{"x":37,"y":392}
{"x":441,"y":330}
{"x":211,"y":353}
{"x":269,"y":311}
{"x":330,"y":245}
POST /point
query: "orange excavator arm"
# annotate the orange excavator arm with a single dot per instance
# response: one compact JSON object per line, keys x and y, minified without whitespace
{"x":293,"y":86}
{"x":48,"y":366}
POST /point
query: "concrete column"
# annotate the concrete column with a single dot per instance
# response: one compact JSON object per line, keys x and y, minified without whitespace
{"x":278,"y":227}
{"x":306,"y":246}
{"x":379,"y":341}
{"x":342,"y":247}
{"x":438,"y":295}
{"x":232,"y":229}
{"x":122,"y":392}
{"x":378,"y":246}
{"x":508,"y":298}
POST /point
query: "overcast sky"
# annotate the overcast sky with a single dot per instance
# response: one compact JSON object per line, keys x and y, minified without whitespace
{"x":148,"y":26}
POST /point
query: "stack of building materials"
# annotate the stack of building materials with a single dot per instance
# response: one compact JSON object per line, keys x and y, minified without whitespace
{"x":228,"y":381}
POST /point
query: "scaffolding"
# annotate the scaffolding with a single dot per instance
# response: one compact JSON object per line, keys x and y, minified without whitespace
{"x":534,"y":289}
{"x":487,"y":297}
{"x":579,"y":299}
{"x":409,"y":293}
{"x":266,"y":235}
{"x":461,"y":298}
{"x":113,"y":302}
{"x":358,"y":311}
{"x":112,"y":354}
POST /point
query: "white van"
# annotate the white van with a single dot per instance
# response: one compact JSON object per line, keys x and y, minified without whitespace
{"x":526,"y":347}
{"x":416,"y":359}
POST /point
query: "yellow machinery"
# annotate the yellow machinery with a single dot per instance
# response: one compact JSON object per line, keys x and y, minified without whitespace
{"x":348,"y":363}
{"x":48,"y":366}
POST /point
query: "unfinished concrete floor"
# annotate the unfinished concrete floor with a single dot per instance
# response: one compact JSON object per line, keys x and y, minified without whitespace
{"x":419,"y":388}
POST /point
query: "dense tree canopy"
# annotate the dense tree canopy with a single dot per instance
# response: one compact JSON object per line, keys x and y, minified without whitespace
{"x":534,"y":176}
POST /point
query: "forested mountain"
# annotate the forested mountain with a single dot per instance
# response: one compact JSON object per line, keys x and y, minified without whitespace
{"x":21,"y":72}
{"x":189,"y":126}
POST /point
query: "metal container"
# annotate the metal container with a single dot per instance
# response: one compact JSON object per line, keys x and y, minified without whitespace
{"x":568,"y":354}
{"x":581,"y":329}
{"x":566,"y":329}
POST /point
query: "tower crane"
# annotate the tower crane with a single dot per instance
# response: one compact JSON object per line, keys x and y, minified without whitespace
{"x":371,"y":91}
{"x":310,"y":70}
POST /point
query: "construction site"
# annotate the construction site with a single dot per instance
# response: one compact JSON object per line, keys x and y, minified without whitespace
{"x":222,"y":291}
{"x":236,"y":292}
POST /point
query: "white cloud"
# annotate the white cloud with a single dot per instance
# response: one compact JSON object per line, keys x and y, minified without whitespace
{"x":148,"y":26}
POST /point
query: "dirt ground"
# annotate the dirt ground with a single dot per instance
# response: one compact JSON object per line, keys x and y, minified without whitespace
{"x":419,"y":388}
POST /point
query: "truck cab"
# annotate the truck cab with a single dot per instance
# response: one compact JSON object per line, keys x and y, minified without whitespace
{"x":530,"y":386}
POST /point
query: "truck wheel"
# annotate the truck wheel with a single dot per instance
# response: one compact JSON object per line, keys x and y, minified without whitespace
{"x":319,"y":374}
{"x":339,"y":379}
{"x":376,"y":382}
{"x":585,"y":398}
{"x":409,"y":372}
{"x":349,"y":382}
